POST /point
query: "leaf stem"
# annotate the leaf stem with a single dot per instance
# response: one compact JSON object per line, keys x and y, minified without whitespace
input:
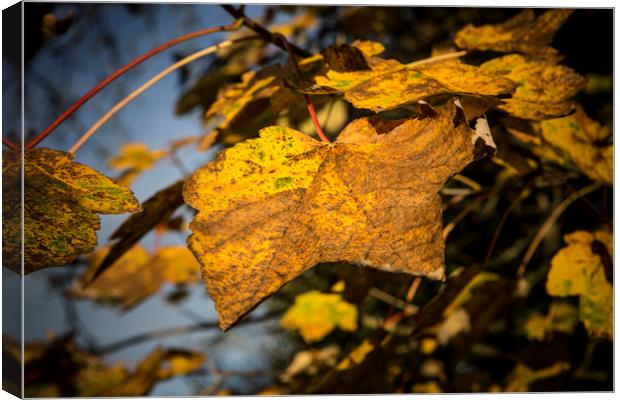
{"x":282,"y":42}
{"x":9,"y":143}
{"x":151,"y":82}
{"x":551,"y":220}
{"x":130,"y":65}
{"x":440,"y":57}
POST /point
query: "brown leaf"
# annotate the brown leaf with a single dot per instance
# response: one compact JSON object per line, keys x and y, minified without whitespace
{"x":273,"y":207}
{"x":158,"y":208}
{"x":524,"y":33}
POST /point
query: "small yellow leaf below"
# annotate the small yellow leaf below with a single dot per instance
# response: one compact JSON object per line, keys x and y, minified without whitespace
{"x":578,"y":270}
{"x":522,"y":376}
{"x":356,"y":356}
{"x":317,"y":314}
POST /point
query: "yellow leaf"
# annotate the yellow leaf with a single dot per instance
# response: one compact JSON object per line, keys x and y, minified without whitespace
{"x":522,"y":376}
{"x":181,"y":362}
{"x":178,"y":264}
{"x":428,"y":345}
{"x":129,"y":280}
{"x":577,"y":270}
{"x":426,"y":387}
{"x":317,"y":314}
{"x":62,"y":199}
{"x":135,"y":156}
{"x":272,"y":208}
{"x":563,"y":318}
{"x":523,"y":33}
{"x":388,"y":84}
{"x":356,"y":356}
{"x":575,"y":139}
{"x":543,"y":88}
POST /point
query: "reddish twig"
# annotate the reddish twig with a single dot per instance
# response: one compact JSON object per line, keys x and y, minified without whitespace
{"x":9,"y":143}
{"x":133,"y":63}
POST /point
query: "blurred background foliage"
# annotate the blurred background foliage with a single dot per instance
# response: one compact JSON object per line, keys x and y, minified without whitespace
{"x":490,"y":328}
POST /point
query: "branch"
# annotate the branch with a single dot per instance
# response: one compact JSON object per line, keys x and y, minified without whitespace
{"x":9,"y":143}
{"x":151,"y":82}
{"x":130,"y":65}
{"x":143,"y":337}
{"x":262,"y":31}
{"x":551,"y":220}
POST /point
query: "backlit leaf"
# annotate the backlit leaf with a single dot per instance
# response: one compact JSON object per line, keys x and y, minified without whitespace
{"x":317,"y":314}
{"x":387,"y":84}
{"x":576,"y":139}
{"x":273,"y":207}
{"x":155,"y":210}
{"x":543,"y":88}
{"x":137,"y":275}
{"x":135,"y":156}
{"x":576,"y":270}
{"x":62,"y":199}
{"x":524,"y":33}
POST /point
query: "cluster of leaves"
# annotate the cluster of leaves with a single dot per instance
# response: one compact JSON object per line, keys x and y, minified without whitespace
{"x":60,"y":368}
{"x":279,"y":202}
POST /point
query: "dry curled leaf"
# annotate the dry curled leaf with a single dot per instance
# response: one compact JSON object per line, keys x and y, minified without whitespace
{"x":273,"y":207}
{"x":578,"y":270}
{"x":524,"y":33}
{"x":157,"y":209}
{"x":62,"y":199}
{"x":137,"y":275}
{"x":543,"y":87}
{"x":317,"y":314}
{"x":130,"y":280}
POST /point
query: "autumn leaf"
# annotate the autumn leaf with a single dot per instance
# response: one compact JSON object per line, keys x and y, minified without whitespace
{"x":155,"y":210}
{"x":522,"y":376}
{"x":62,"y":199}
{"x":137,"y":275}
{"x":562,"y":317}
{"x":543,"y":87}
{"x":377,"y":84}
{"x":273,"y":207}
{"x":135,"y":156}
{"x":576,"y":270}
{"x":576,"y":140}
{"x":356,"y":356}
{"x":317,"y":314}
{"x":178,"y":263}
{"x":524,"y":33}
{"x":130,"y":280}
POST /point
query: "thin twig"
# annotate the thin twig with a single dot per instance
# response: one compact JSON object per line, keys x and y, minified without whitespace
{"x":413,"y":288}
{"x":9,"y":143}
{"x":551,"y":220}
{"x":143,"y":337}
{"x":522,"y":195}
{"x":151,"y":82}
{"x":437,"y":58}
{"x":262,"y":31}
{"x":130,"y":65}
{"x":393,"y":301}
{"x":310,"y":105}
